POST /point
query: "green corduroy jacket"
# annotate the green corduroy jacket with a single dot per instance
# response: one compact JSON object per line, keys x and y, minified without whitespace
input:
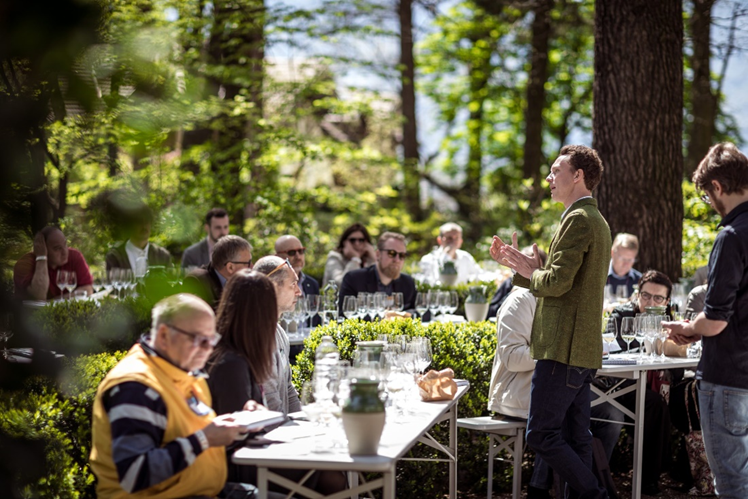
{"x":568,"y":319}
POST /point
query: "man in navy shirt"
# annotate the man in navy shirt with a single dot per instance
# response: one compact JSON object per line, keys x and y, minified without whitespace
{"x":622,"y":259}
{"x":723,"y":370}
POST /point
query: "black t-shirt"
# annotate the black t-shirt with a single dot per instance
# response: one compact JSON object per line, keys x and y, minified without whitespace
{"x":724,"y":359}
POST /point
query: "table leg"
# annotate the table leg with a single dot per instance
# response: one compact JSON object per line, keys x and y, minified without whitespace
{"x":388,"y":489}
{"x":262,"y":482}
{"x":453,"y":449}
{"x":636,"y":481}
{"x":353,"y":482}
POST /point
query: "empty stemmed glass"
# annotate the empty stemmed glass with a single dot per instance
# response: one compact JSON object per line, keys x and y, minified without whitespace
{"x":454,"y":302}
{"x":433,"y":303}
{"x":115,"y":278}
{"x":350,"y":306}
{"x":98,"y":281}
{"x":422,"y":304}
{"x":62,"y":281}
{"x":312,"y":306}
{"x":421,"y":347}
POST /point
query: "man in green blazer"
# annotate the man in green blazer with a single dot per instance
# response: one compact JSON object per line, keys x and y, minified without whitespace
{"x":566,"y":339}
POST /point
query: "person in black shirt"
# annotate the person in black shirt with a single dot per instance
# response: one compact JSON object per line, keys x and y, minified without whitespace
{"x":722,"y":373}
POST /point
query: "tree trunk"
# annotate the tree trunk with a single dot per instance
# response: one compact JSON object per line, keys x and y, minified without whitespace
{"x":703,"y":100}
{"x":469,"y":196}
{"x":411,"y":177}
{"x":637,"y":124}
{"x":237,"y":42}
{"x":533,"y":149}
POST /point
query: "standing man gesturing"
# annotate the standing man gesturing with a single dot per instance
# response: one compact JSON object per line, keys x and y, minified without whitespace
{"x":723,"y":369}
{"x":566,"y":339}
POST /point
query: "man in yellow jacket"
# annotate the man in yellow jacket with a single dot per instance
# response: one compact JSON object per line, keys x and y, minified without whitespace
{"x":154,"y":432}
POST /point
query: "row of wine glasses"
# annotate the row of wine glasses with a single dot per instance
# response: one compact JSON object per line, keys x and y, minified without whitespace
{"x":434,"y":301}
{"x":374,"y":305}
{"x":67,"y":279}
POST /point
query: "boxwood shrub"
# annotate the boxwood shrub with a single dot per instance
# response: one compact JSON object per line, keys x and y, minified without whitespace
{"x":469,"y":349}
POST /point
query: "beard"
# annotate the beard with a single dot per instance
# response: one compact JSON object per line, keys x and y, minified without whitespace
{"x":719,"y":207}
{"x":392,"y":271}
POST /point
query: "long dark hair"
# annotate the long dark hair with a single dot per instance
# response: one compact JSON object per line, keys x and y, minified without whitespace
{"x":246,"y":320}
{"x":357,"y":227}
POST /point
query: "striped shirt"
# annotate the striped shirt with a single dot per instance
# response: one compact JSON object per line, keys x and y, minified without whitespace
{"x":137,"y":415}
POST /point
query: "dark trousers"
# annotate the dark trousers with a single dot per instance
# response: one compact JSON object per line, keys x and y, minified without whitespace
{"x":558,"y":428}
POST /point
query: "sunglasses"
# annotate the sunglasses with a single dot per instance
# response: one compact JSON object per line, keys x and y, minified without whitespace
{"x":199,"y":340}
{"x":392,"y":254}
{"x":356,"y":240}
{"x":655,"y":298}
{"x":276,"y":269}
{"x":293,"y":252}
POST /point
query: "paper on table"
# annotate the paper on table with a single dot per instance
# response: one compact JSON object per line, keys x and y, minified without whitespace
{"x":294,"y":430}
{"x":256,"y":420}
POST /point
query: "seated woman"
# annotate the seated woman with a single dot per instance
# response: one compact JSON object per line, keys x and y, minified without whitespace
{"x":354,"y":251}
{"x":243,"y":359}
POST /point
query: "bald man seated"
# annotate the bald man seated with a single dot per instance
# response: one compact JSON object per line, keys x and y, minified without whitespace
{"x":35,"y":273}
{"x":290,"y":248}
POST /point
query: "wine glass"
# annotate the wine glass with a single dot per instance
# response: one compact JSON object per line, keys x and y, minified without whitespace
{"x":639,"y":333}
{"x":622,"y":293}
{"x":444,"y":302}
{"x":62,"y":281}
{"x":422,"y":304}
{"x":627,"y":331}
{"x":350,"y":306}
{"x":380,"y":300}
{"x":128,"y":282}
{"x":312,"y":306}
{"x":300,"y":313}
{"x":361,"y":303}
{"x":397,"y":302}
{"x":371,"y":306}
{"x":98,"y":281}
{"x":421,"y":347}
{"x":454,"y":302}
{"x":72,"y":282}
{"x":611,"y":332}
{"x":433,"y":301}
{"x":662,"y":334}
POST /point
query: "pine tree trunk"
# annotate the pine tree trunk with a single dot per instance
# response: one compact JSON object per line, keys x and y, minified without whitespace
{"x":703,"y":100}
{"x":637,"y":124}
{"x":412,"y":193}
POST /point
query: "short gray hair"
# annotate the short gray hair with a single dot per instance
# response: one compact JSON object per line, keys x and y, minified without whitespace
{"x":449,"y":227}
{"x":227,"y":249}
{"x":267,"y":264}
{"x":166,"y":310}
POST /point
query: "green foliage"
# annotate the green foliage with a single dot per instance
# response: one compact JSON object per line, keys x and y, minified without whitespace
{"x":699,"y":230}
{"x":74,"y":327}
{"x":468,"y":349}
{"x":58,"y":417}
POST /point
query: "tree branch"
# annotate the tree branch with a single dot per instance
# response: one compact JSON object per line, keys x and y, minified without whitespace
{"x":450,"y":190}
{"x":730,"y":48}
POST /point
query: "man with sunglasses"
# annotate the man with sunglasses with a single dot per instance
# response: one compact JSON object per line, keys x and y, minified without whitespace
{"x":384,"y":276}
{"x":230,"y":255}
{"x":289,"y":247}
{"x":154,"y":431}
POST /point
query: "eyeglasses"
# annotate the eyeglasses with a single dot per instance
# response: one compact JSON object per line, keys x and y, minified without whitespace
{"x":655,"y":298}
{"x":705,"y":197}
{"x":356,"y":240}
{"x":626,"y":260}
{"x":293,"y":252}
{"x":392,"y":254}
{"x":247,"y":263}
{"x":199,"y":340}
{"x":276,"y":269}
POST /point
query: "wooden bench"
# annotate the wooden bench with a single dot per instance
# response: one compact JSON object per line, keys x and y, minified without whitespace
{"x":512,"y":433}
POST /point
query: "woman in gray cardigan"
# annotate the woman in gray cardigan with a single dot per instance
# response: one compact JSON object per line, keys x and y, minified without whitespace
{"x":354,"y":251}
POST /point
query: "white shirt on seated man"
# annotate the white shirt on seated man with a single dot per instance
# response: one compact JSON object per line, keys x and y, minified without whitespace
{"x":450,"y":242}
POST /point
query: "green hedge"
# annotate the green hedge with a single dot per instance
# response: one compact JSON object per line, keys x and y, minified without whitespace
{"x":56,"y":418}
{"x":86,"y":327}
{"x":469,"y":349}
{"x":57,"y":415}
